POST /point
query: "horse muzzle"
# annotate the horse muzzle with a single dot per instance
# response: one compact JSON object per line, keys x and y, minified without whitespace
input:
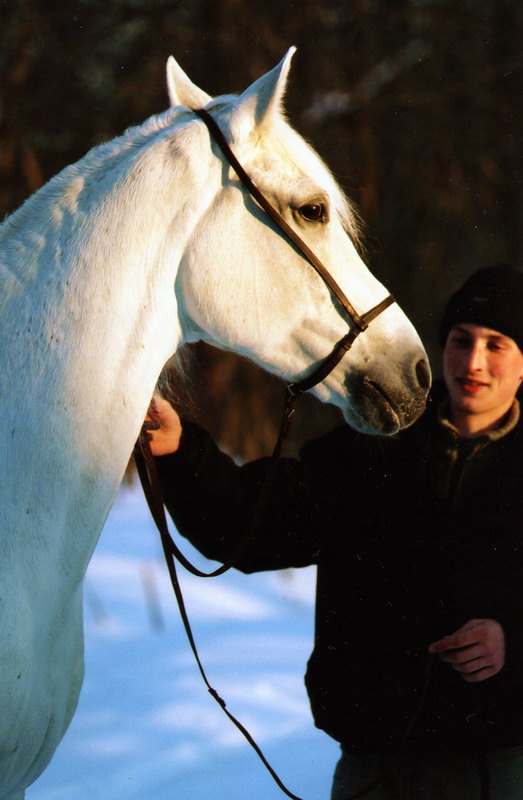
{"x":375,"y":407}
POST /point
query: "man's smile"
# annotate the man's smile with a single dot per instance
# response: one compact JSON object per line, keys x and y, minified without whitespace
{"x":471,"y":385}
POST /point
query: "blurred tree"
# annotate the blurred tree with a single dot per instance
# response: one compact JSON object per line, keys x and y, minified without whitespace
{"x":414,"y":104}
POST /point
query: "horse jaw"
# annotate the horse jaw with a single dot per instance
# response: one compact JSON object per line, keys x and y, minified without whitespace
{"x":182,"y":91}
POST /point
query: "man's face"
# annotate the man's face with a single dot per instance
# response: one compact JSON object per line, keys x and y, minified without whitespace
{"x":483,"y":370}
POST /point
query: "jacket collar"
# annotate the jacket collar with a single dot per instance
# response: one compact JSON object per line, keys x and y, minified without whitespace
{"x":443,"y":412}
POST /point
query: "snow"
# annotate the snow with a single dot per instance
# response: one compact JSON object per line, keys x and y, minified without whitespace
{"x":146,"y":727}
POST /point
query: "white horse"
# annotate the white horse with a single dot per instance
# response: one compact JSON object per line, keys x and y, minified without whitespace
{"x":146,"y":243}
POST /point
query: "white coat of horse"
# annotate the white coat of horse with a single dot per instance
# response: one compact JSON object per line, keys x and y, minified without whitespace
{"x":146,"y":243}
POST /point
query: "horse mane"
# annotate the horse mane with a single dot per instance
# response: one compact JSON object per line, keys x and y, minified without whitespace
{"x":99,"y":156}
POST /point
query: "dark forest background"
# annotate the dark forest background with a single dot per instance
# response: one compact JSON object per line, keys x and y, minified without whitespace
{"x":414,"y":104}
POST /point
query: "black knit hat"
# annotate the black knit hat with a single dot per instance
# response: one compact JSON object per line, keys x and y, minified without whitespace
{"x":493,"y":298}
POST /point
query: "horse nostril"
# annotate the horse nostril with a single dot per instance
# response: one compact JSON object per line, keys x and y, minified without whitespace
{"x":423,"y":373}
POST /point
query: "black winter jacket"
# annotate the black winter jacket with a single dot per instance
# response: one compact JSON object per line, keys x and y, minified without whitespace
{"x":413,"y":537}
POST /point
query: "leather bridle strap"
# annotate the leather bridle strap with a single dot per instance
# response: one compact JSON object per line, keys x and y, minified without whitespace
{"x":149,"y":478}
{"x":342,"y":347}
{"x":151,"y":486}
{"x":360,"y":322}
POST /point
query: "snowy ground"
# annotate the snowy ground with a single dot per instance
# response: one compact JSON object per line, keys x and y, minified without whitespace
{"x":146,"y":727}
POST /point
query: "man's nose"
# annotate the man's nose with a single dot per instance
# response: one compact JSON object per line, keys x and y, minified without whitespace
{"x":476,"y":357}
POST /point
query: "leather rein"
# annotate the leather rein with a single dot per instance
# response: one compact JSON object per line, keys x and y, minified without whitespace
{"x":145,"y":460}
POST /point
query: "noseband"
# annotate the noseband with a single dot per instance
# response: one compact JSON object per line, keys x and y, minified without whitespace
{"x":359,"y":322}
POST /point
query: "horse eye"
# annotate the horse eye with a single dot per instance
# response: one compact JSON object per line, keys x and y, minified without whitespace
{"x":313,"y":212}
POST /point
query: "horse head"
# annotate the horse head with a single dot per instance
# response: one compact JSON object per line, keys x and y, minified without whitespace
{"x":267,"y":301}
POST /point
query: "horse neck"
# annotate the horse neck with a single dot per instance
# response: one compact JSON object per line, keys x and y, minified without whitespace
{"x":89,"y":320}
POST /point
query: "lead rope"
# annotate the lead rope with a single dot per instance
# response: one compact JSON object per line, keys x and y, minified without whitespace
{"x":148,"y":475}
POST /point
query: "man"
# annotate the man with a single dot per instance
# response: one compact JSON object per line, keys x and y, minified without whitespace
{"x":417,"y":668}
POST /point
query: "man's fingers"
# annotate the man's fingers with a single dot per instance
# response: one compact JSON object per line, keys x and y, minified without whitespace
{"x":151,"y":425}
{"x":462,"y":655}
{"x":455,"y":641}
{"x":474,"y":632}
{"x":476,"y":651}
{"x":162,"y":427}
{"x":480,"y":675}
{"x":474,"y":665}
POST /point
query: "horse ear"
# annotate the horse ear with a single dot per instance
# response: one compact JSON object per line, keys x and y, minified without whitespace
{"x":264,"y":97}
{"x":182,"y":91}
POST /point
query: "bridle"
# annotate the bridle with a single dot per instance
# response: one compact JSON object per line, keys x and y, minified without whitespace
{"x":145,"y":461}
{"x":360,"y":322}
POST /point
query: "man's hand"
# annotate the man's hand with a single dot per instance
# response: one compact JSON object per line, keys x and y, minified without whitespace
{"x":477,"y":650}
{"x":165,"y":427}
